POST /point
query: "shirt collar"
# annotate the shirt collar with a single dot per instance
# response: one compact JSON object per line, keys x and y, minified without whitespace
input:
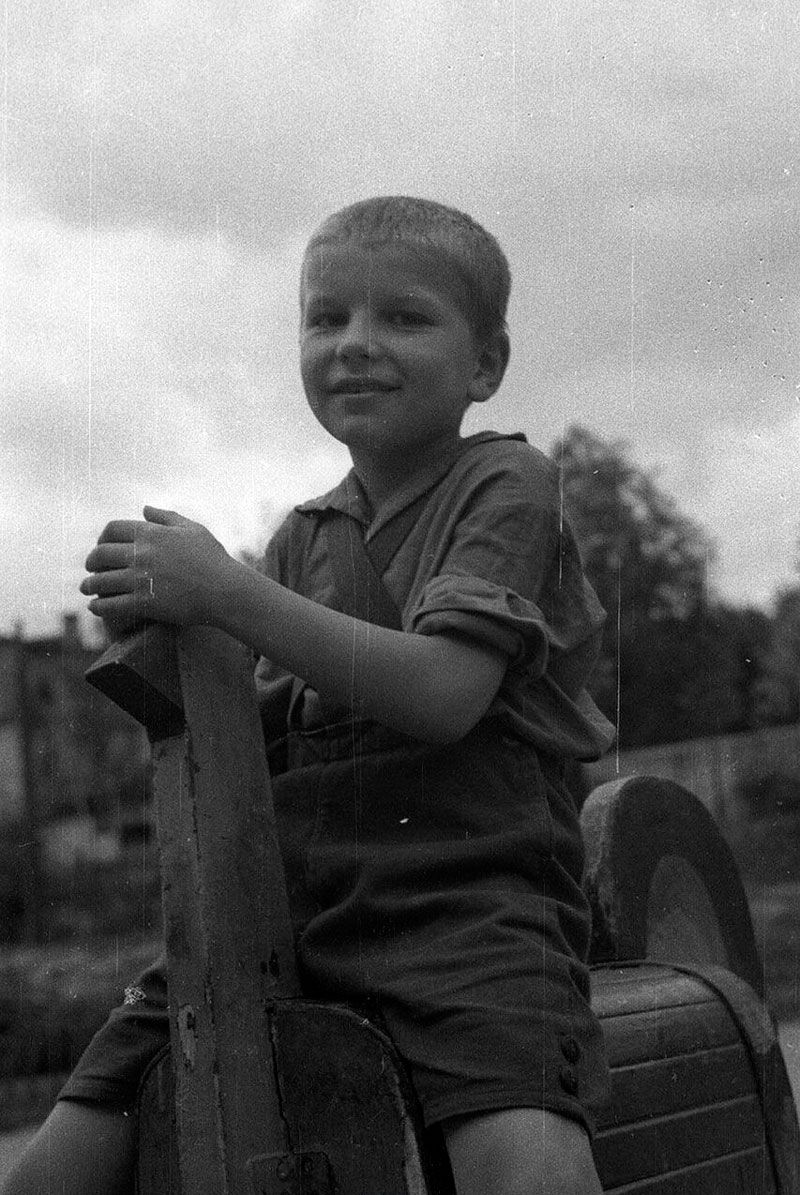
{"x":350,"y":498}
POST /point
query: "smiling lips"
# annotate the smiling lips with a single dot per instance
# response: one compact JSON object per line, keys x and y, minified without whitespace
{"x":360,"y":385}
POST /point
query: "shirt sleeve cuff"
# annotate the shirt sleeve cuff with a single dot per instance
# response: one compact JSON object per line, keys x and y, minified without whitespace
{"x":487,"y":612}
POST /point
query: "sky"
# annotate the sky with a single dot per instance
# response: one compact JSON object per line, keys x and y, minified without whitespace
{"x":164,"y":163}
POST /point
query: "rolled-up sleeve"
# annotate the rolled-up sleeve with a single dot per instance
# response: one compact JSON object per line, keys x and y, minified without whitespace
{"x":491,"y":613}
{"x":496,"y":544}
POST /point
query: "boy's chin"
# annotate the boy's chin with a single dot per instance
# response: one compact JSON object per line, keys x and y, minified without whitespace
{"x":359,"y":434}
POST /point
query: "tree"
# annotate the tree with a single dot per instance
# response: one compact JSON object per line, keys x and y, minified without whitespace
{"x":673,"y":664}
{"x":779,"y":687}
{"x":645,"y":559}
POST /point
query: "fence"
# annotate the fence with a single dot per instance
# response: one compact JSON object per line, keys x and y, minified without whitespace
{"x":717,"y":769}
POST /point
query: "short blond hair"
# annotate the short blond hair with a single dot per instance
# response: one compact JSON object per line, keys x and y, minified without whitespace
{"x":463,"y":244}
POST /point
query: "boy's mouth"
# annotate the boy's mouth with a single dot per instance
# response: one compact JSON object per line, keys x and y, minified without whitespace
{"x":360,"y":385}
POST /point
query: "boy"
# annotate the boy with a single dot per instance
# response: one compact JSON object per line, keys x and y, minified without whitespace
{"x":432,"y":851}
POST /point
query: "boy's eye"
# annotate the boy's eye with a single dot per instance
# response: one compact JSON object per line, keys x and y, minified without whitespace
{"x":322,"y":319}
{"x":407,"y":317}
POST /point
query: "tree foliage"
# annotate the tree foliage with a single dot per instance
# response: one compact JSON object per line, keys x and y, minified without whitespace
{"x":778,"y":695}
{"x":675,"y":664}
{"x":645,"y":558}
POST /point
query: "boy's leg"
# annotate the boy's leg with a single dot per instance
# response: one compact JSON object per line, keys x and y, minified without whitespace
{"x":80,"y":1149}
{"x":520,"y":1151}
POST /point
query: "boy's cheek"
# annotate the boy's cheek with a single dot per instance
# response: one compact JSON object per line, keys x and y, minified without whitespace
{"x":313,"y":379}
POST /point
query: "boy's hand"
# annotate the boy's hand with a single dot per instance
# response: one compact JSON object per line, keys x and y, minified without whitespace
{"x":167,"y":569}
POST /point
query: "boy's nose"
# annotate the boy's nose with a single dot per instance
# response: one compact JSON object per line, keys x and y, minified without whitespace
{"x":356,"y":337}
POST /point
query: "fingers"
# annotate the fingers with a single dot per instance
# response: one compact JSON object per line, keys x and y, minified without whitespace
{"x":150,"y":569}
{"x":120,"y":531}
{"x":107,"y":556}
{"x":166,"y":518}
{"x":119,"y":612}
{"x":127,"y":531}
{"x":123,"y":541}
{"x":111,"y":581}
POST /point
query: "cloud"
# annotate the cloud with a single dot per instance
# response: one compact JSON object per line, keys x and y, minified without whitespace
{"x":255,"y":117}
{"x":758,"y":472}
{"x":144,"y":367}
{"x":165,"y":163}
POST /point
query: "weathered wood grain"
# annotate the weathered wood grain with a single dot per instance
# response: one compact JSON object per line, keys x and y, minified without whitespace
{"x":271,"y":1094}
{"x":345,"y":1100}
{"x":700,"y":1095}
{"x":662,"y":881}
{"x":228,"y":931}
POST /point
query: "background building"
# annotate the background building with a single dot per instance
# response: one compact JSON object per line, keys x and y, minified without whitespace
{"x":74,"y":793}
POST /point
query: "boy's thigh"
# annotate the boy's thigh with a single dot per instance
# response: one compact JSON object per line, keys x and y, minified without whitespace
{"x":520,"y":1151}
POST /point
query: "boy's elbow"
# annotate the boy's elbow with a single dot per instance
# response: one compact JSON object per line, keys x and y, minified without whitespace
{"x":455,"y":689}
{"x":443,"y":733}
{"x":447,"y":721}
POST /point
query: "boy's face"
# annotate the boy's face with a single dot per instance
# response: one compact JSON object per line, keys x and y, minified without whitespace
{"x":388,"y":360}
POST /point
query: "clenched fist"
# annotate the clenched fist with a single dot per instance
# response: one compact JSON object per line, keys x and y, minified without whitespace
{"x":166,"y":569}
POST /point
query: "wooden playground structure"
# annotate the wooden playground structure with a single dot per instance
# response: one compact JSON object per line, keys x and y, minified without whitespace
{"x":263,"y":1092}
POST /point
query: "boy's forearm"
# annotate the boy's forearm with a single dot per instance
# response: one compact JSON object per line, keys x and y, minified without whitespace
{"x":430,"y":687}
{"x":172,"y":570}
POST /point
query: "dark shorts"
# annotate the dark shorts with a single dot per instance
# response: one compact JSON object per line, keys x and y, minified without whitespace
{"x":439,"y":889}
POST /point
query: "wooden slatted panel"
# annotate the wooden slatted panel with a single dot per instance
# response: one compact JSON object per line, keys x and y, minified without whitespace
{"x":637,"y":1037}
{"x":664,"y":1144}
{"x":676,"y":1084}
{"x":661,"y":1014}
{"x":685,"y":1123}
{"x":637,"y":988}
{"x":685,"y":1116}
{"x":742,"y":1172}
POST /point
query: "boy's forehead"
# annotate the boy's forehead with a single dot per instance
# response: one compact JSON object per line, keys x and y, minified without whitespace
{"x":395,"y":266}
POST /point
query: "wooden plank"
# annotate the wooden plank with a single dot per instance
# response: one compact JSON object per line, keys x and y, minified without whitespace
{"x":140,"y":674}
{"x":647,"y":988}
{"x":343,"y":1083}
{"x":157,"y":1166}
{"x":229,"y":936}
{"x":662,"y":882}
{"x":778,"y":1108}
{"x":669,"y":1143}
{"x":191,"y":1021}
{"x":245,"y":901}
{"x":631,"y":973}
{"x":343,"y":1093}
{"x":667,"y":1033}
{"x":664,"y":1087}
{"x":743,"y":1173}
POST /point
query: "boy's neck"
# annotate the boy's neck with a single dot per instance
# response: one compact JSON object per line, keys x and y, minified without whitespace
{"x":382,"y":477}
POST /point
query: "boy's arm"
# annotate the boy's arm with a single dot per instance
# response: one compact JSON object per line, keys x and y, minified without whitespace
{"x":169,"y":569}
{"x":80,"y":1148}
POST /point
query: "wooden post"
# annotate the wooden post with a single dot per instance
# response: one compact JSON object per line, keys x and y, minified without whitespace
{"x":228,"y":931}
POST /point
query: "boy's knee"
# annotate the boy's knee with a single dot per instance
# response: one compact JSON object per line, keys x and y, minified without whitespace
{"x":520,"y":1151}
{"x":80,"y":1148}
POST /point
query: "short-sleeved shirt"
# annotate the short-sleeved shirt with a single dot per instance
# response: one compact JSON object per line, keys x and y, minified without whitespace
{"x":440,"y":885}
{"x":490,"y":556}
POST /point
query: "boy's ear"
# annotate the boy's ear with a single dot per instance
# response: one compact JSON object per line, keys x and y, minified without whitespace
{"x":490,"y":368}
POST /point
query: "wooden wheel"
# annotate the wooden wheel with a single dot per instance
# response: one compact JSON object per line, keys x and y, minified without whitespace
{"x":662,"y":882}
